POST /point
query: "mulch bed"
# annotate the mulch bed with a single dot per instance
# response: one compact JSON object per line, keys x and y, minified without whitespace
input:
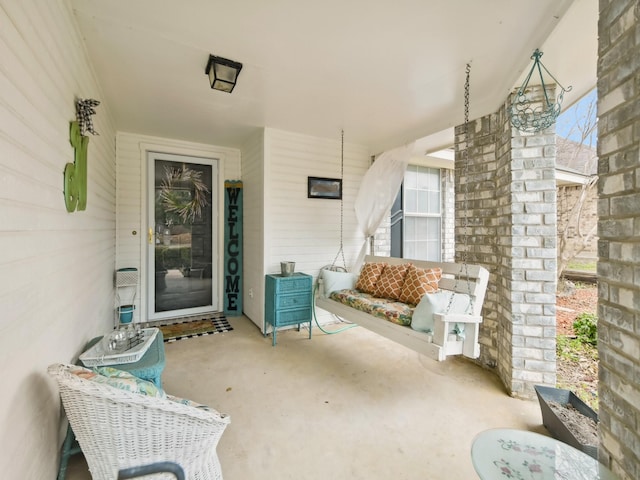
{"x":584,"y":300}
{"x":581,"y":375}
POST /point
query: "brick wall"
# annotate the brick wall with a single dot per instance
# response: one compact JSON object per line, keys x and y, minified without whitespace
{"x":480,"y":214}
{"x":447,"y":179}
{"x":619,"y":235}
{"x":511,"y":229}
{"x":381,"y":243}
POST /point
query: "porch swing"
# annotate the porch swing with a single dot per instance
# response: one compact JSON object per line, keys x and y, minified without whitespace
{"x":440,"y":323}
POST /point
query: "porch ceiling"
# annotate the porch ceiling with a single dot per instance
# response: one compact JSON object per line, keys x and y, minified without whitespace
{"x":386,"y":72}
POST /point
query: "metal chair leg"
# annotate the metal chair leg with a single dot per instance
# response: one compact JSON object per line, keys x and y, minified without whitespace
{"x":159,"y":467}
{"x":69,"y":447}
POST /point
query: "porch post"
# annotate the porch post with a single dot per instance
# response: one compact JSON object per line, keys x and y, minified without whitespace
{"x":511,"y":230}
{"x":619,"y":232}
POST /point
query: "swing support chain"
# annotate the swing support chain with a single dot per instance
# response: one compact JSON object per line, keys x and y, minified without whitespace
{"x":465,"y":197}
{"x":341,"y":249}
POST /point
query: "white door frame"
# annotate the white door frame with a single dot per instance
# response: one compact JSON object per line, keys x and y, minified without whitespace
{"x":152,"y":156}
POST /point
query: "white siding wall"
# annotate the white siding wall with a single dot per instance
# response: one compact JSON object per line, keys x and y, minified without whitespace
{"x":307,"y":230}
{"x":253,"y":227}
{"x":132,"y":202}
{"x":56,"y":267}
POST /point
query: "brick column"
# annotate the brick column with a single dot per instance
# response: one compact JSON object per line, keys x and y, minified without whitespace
{"x":619,"y":232}
{"x":511,"y":215}
{"x":447,"y":184}
{"x":529,"y":260}
{"x":382,"y":238}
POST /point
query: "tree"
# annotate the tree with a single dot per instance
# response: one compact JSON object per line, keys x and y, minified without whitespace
{"x":576,"y":150}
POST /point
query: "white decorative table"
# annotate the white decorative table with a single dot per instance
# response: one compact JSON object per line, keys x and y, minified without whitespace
{"x":522,"y":455}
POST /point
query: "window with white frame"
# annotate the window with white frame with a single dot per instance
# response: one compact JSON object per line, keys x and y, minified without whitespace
{"x":422,"y":206}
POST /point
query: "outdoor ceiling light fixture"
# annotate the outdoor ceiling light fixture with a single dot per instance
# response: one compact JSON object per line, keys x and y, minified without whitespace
{"x":223,"y":73}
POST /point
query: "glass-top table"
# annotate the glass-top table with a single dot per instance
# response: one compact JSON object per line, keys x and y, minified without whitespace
{"x":520,"y":455}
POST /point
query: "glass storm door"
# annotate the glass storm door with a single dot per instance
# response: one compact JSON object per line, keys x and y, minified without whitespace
{"x":182,"y":236}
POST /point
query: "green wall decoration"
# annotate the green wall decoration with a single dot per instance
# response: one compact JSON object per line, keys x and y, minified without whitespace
{"x":75,"y":174}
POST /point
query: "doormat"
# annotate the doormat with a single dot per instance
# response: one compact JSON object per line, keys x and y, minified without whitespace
{"x":195,"y":328}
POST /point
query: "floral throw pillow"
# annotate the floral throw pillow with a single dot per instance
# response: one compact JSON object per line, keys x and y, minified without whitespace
{"x":369,"y":276}
{"x":418,"y":282}
{"x":119,"y":379}
{"x":390,"y":283}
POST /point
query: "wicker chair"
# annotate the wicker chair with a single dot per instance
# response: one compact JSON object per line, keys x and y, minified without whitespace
{"x":117,"y":429}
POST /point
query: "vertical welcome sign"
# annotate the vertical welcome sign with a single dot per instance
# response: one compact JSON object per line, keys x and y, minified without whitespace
{"x":233,"y":247}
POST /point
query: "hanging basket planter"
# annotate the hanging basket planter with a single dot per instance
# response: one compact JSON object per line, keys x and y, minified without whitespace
{"x":531,"y":114}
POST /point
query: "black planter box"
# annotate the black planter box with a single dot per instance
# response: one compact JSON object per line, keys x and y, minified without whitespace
{"x":555,"y":426}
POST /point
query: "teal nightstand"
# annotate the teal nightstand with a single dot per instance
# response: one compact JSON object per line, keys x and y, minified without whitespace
{"x":287,"y":301}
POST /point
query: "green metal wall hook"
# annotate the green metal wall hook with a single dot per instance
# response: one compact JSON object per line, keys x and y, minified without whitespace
{"x":533,"y":115}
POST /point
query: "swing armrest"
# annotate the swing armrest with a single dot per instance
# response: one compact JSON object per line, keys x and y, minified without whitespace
{"x":457,"y":318}
{"x":469,"y":345}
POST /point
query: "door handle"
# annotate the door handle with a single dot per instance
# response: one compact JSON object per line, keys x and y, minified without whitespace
{"x":150,"y":236}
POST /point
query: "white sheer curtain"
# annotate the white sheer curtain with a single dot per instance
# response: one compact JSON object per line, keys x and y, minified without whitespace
{"x":378,"y":190}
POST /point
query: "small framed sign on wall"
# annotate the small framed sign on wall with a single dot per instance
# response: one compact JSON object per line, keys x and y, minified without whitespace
{"x":318,"y":187}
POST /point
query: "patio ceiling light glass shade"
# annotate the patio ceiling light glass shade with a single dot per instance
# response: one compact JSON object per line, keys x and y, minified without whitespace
{"x":223,"y":73}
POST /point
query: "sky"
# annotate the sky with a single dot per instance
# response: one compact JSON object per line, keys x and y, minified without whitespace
{"x":568,"y":118}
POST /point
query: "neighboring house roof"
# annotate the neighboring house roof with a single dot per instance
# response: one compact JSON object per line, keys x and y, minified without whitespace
{"x":575,"y":162}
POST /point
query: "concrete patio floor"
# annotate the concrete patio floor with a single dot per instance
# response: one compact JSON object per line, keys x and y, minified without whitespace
{"x":347,"y":406}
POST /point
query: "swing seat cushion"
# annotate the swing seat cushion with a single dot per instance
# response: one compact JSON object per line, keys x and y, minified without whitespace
{"x":387,"y":309}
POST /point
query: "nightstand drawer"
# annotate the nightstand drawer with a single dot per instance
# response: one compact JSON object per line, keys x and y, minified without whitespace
{"x":292,"y":317}
{"x":293,"y":301}
{"x":293,"y":284}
